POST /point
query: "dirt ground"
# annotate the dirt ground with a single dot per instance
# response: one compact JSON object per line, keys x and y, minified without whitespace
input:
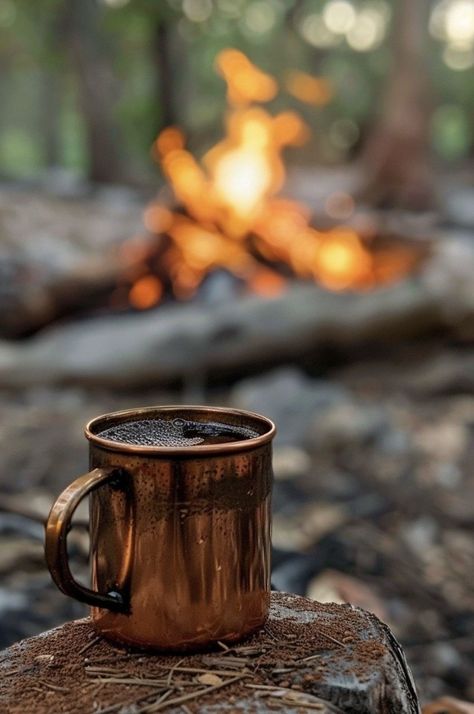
{"x":372,"y":504}
{"x":373,"y":484}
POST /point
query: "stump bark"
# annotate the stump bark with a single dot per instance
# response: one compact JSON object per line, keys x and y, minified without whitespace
{"x":309,"y":657}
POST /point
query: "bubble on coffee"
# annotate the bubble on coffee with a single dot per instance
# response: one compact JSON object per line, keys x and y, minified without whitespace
{"x":176,"y":432}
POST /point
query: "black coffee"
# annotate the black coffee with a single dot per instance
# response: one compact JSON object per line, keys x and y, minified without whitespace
{"x":176,"y":432}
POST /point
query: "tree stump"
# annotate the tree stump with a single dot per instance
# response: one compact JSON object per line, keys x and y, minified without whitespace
{"x":309,"y":657}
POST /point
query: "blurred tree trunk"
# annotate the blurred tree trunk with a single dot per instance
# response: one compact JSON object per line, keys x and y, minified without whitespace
{"x":161,"y":49}
{"x":397,"y":156}
{"x":50,"y":98}
{"x":97,"y":95}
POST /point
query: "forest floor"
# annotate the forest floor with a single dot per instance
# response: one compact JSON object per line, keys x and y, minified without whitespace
{"x":372,"y":499}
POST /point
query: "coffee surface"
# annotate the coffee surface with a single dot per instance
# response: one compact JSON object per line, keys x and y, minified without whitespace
{"x":176,"y":432}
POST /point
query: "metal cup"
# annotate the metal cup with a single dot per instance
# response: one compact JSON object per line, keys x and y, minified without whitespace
{"x":180,"y":536}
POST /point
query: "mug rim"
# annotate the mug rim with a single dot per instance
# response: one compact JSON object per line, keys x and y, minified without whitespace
{"x":194,"y":450}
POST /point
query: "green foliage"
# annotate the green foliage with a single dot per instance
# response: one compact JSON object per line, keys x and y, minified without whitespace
{"x":451,"y":131}
{"x":20,"y":154}
{"x":277,"y":35}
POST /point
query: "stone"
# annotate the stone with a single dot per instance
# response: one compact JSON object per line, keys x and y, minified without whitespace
{"x":290,"y":398}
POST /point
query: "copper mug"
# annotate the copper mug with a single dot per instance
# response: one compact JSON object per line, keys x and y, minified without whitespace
{"x":179,"y":536}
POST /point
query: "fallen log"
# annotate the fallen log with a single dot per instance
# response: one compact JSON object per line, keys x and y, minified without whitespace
{"x":199,"y":338}
{"x":60,"y":256}
{"x":36,"y":303}
{"x":309,"y":656}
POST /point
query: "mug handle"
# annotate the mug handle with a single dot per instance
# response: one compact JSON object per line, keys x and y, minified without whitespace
{"x":57,"y":527}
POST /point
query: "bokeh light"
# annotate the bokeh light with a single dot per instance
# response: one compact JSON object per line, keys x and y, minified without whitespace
{"x":315,"y":32}
{"x":343,"y":133}
{"x":452,"y":22}
{"x":458,"y":59}
{"x":197,"y":10}
{"x":460,"y":21}
{"x":311,"y":90}
{"x":339,"y":16}
{"x":368,"y":30}
{"x":146,"y":292}
{"x":230,"y":8}
{"x":259,"y":17}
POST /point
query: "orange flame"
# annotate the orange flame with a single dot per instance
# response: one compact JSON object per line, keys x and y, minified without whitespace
{"x":341,"y":260}
{"x":266,"y":282}
{"x":146,"y":292}
{"x":232,"y":214}
{"x":311,"y":90}
{"x":246,"y":83}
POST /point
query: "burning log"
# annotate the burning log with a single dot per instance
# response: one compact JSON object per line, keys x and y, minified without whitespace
{"x":227,"y":216}
{"x":331,"y":658}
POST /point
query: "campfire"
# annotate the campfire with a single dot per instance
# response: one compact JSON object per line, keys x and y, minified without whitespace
{"x":225,"y":226}
{"x":228,"y":213}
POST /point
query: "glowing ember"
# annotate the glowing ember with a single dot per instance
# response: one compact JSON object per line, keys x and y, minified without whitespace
{"x":146,"y":292}
{"x":342,"y":261}
{"x":229,"y":213}
{"x":266,"y":282}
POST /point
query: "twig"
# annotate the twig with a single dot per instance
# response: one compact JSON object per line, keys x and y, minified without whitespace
{"x":249,"y":650}
{"x":294,"y":700}
{"x":177,"y":668}
{"x":191,"y":695}
{"x":135,"y":681}
{"x":54,"y":687}
{"x":228,"y":661}
{"x":98,"y":671}
{"x":304,"y":705}
{"x":285,"y":670}
{"x":201,"y":670}
{"x":173,"y":670}
{"x":265,"y":686}
{"x":89,"y":645}
{"x":120,"y":705}
{"x":330,"y":637}
{"x":117,"y":657}
{"x":153,"y":706}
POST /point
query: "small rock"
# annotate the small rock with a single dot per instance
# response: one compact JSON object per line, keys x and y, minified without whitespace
{"x":313,"y":522}
{"x":443,"y":658}
{"x":44,"y":658}
{"x":210,"y":679}
{"x":291,"y":399}
{"x":347,"y":423}
{"x":11,"y":601}
{"x":290,"y":462}
{"x":420,"y":535}
{"x":394,"y":442}
{"x":445,"y":440}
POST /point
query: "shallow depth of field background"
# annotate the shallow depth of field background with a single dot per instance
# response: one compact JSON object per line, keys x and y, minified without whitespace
{"x":374,"y":403}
